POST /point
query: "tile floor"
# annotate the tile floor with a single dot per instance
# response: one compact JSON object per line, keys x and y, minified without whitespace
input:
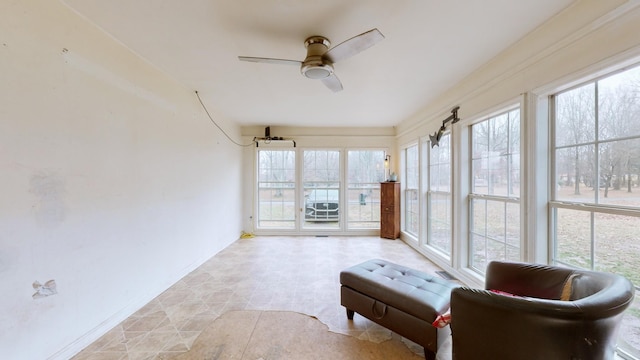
{"x":298,"y":274}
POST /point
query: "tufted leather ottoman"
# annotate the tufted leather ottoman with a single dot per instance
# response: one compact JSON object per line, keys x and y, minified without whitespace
{"x":401,"y":299}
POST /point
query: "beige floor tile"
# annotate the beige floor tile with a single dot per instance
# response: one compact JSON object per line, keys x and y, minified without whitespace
{"x":299,"y":274}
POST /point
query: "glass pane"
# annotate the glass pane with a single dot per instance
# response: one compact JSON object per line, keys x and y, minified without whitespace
{"x":479,"y":252}
{"x":440,"y":177}
{"x":441,"y":153}
{"x":440,"y":165}
{"x":479,"y":139}
{"x":364,"y":208}
{"x":498,"y":224}
{"x":513,"y":157}
{"x":321,"y":189}
{"x":575,"y":173}
{"x":496,"y":220}
{"x":619,"y":171}
{"x":573,"y":238}
{"x":499,"y":134}
{"x":411,"y":211}
{"x":480,"y":184}
{"x":276,"y":189}
{"x":514,"y":175}
{"x":411,"y":167}
{"x":496,"y":155}
{"x":276,"y":208}
{"x":618,"y":105}
{"x":496,"y":249}
{"x":478,"y":233}
{"x":322,"y":165}
{"x":440,"y":222}
{"x":496,"y":172}
{"x":513,"y":232}
{"x":603,"y":168}
{"x":628,"y":338}
{"x":514,"y":131}
{"x":365,"y":172}
{"x":439,"y":226}
{"x":412,"y":178}
{"x":617,"y":250}
{"x":499,"y":175}
{"x":366,"y":166}
{"x":322,"y":207}
{"x":575,"y":116}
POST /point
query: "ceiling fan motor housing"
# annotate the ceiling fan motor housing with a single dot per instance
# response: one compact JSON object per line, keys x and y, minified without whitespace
{"x":315,"y":66}
{"x":319,"y":62}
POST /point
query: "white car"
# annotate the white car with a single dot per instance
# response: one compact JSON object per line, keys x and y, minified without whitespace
{"x":322,"y":205}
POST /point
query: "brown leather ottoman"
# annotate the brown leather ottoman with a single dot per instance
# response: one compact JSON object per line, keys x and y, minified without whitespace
{"x":401,"y":299}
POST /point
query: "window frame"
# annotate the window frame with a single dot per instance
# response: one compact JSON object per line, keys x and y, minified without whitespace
{"x":428,"y":193}
{"x":593,"y":207}
{"x":413,"y":234}
{"x":470,"y":196}
{"x":374,"y":185}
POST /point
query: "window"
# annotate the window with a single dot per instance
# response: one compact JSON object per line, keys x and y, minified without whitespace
{"x":276,"y":189}
{"x":411,"y":199}
{"x":494,"y":200}
{"x":365,"y":172}
{"x":321,"y":184}
{"x":595,"y":205}
{"x":438,"y":197}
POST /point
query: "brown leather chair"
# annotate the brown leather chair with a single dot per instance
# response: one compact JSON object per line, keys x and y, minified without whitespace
{"x":536,"y":324}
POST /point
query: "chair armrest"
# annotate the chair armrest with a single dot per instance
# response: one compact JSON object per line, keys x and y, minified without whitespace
{"x":504,"y":327}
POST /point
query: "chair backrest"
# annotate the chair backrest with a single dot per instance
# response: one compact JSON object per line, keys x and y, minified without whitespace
{"x":536,"y":324}
{"x":548,"y":282}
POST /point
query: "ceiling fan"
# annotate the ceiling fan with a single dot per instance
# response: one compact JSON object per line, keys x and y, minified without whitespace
{"x":320,"y":59}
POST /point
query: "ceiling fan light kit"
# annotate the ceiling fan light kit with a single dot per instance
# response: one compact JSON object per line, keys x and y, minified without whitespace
{"x":318,"y":64}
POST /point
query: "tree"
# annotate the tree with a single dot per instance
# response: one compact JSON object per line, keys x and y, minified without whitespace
{"x":619,"y":110}
{"x":575,"y":121}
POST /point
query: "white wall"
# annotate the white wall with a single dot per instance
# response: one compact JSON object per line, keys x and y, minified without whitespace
{"x":113,"y":181}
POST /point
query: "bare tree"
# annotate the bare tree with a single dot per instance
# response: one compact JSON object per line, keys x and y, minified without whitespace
{"x":619,"y":110}
{"x":494,"y":142}
{"x":575,"y":120}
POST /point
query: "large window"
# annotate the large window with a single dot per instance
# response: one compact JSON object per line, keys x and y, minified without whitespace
{"x":596,"y":194}
{"x":365,"y":172}
{"x":494,"y":200}
{"x":276,"y":189}
{"x":411,"y":199}
{"x":319,"y":191}
{"x":438,"y":197}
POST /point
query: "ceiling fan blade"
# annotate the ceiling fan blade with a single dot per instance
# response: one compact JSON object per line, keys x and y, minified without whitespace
{"x":270,"y":60}
{"x":333,"y":83}
{"x":354,"y":45}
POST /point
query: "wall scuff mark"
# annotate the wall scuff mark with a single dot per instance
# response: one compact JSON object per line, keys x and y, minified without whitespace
{"x":49,"y":288}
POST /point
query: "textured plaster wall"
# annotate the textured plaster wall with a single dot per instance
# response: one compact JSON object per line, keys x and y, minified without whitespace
{"x":110,"y":182}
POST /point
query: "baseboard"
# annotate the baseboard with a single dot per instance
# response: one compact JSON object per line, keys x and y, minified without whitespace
{"x":94,"y":334}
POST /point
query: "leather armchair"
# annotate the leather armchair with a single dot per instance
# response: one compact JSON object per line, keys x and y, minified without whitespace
{"x":536,"y":324}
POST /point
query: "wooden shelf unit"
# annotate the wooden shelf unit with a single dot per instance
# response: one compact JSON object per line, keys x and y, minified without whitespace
{"x":390,"y":210}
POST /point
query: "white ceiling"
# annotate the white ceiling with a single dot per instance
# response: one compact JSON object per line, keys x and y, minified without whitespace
{"x":430,"y":45}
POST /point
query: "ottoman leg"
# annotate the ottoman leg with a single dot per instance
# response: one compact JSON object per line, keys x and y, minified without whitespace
{"x":350,"y":314}
{"x":429,"y":355}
